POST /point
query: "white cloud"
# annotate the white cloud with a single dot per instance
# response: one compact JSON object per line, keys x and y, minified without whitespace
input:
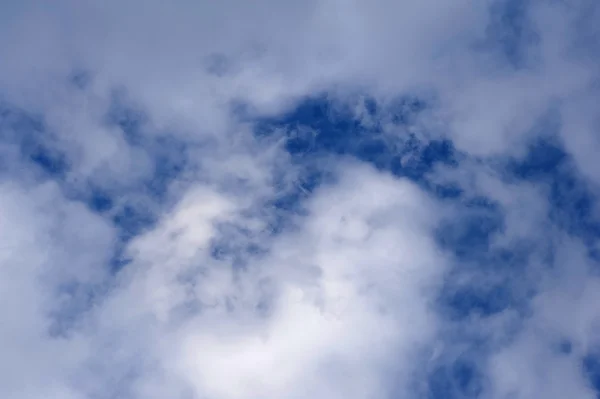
{"x":347,"y":295}
{"x":330,"y":306}
{"x":562,"y":314}
{"x":52,"y":253}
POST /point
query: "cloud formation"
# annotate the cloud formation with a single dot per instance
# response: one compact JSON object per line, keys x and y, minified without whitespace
{"x":299,"y":199}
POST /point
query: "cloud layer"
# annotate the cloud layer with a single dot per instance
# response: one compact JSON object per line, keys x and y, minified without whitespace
{"x":299,"y":199}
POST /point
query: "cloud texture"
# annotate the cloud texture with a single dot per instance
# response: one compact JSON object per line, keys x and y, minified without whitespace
{"x":279,"y":199}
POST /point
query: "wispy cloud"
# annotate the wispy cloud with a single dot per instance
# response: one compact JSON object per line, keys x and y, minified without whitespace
{"x":299,"y":199}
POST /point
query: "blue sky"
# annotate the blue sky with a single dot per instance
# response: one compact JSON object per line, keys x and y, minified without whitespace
{"x":320,"y":199}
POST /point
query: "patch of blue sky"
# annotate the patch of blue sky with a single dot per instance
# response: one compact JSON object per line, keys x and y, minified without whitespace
{"x":39,"y":151}
{"x":510,"y":35}
{"x":572,"y":201}
{"x":320,"y":129}
{"x":34,"y":144}
{"x":460,"y":378}
{"x":591,"y":368}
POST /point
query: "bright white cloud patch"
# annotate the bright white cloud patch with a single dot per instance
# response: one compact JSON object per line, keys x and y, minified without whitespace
{"x":318,"y":314}
{"x":177,"y":222}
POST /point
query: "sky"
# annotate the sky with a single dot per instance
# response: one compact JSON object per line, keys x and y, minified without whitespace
{"x":299,"y":199}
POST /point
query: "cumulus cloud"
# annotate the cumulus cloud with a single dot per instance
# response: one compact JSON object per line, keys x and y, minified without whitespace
{"x":298,"y":199}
